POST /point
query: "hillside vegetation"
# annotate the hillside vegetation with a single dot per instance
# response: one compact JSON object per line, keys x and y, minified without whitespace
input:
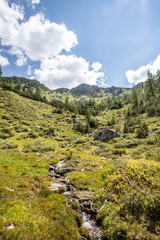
{"x":120,"y":176}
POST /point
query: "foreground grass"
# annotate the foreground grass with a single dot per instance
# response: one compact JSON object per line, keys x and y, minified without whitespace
{"x":121,"y":176}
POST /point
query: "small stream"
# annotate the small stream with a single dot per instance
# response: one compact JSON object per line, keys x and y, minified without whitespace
{"x":89,"y":224}
{"x":61,"y":184}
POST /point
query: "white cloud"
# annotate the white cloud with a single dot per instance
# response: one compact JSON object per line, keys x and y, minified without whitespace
{"x":37,"y":38}
{"x":96,"y":66}
{"x":21,"y":58}
{"x":3,"y":61}
{"x":67,"y":71}
{"x":43,"y":39}
{"x":29,"y":70}
{"x":21,"y":61}
{"x":140,"y":75}
{"x":35,"y":1}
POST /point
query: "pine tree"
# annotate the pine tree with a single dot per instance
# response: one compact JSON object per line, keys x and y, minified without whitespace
{"x":149,"y":90}
{"x":113,"y":119}
{"x":88,"y":115}
{"x":67,"y":102}
{"x":11,"y":86}
{"x":38,"y":94}
{"x":134,"y":98}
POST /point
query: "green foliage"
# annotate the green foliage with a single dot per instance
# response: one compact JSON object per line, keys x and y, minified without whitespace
{"x":130,"y":124}
{"x":120,"y":176}
{"x":149,"y":91}
{"x":38,"y":94}
{"x":69,"y":155}
{"x":82,"y":128}
{"x":113,"y":119}
{"x":134,"y":99}
{"x":142,"y":131}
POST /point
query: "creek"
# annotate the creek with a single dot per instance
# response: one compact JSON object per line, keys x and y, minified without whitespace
{"x":61,"y":184}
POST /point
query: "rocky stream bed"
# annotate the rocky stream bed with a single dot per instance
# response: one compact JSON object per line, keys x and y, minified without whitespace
{"x":81,"y":199}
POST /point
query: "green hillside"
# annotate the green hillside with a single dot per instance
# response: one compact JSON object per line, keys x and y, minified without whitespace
{"x":119,"y":177}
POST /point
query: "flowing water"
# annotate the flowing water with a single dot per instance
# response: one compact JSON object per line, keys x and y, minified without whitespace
{"x":61,"y":183}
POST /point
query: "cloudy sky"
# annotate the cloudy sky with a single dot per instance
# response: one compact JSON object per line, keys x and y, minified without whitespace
{"x":63,"y":43}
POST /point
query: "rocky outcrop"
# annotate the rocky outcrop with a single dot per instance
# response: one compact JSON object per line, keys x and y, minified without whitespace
{"x":105,"y":134}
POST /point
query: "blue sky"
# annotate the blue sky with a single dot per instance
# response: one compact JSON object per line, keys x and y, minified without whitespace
{"x":63,"y":43}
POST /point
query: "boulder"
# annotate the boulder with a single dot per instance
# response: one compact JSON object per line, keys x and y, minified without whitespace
{"x":105,"y":134}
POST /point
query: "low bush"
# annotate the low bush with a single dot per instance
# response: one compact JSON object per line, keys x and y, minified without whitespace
{"x":142,"y":131}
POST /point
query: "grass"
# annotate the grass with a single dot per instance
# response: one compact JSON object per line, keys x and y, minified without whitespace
{"x":32,"y":137}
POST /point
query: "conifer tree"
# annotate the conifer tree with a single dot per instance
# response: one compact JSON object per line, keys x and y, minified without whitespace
{"x":67,"y":102}
{"x":38,"y":94}
{"x":18,"y":87}
{"x":88,"y":115}
{"x":134,"y":98}
{"x":149,"y":90}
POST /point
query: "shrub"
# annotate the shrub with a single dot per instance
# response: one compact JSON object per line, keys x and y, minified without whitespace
{"x":44,"y":192}
{"x":93,"y":123}
{"x":142,"y":131}
{"x":69,"y":155}
{"x":32,"y":135}
{"x":79,"y":127}
{"x":133,"y":204}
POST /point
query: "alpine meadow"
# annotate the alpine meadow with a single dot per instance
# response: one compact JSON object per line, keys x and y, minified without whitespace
{"x":105,"y":186}
{"x":79,"y":120}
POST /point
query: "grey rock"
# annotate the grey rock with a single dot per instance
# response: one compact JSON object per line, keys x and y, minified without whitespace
{"x":65,"y":170}
{"x":51,"y":173}
{"x":105,"y":134}
{"x":51,"y":168}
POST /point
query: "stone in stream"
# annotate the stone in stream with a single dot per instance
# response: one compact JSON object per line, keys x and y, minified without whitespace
{"x":51,"y":174}
{"x":51,"y":168}
{"x":65,"y":170}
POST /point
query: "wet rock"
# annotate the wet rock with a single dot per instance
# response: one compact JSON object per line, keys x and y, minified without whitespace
{"x":51,"y":168}
{"x":67,"y":188}
{"x":105,"y":134}
{"x":65,"y":170}
{"x":57,"y":175}
{"x":51,"y":174}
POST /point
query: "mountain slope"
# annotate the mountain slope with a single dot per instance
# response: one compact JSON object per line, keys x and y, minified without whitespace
{"x":120,"y":177}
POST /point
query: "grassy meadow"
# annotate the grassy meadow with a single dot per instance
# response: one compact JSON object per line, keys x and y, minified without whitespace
{"x":121,"y":175}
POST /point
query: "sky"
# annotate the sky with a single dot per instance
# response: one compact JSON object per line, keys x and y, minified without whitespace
{"x":63,"y":43}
